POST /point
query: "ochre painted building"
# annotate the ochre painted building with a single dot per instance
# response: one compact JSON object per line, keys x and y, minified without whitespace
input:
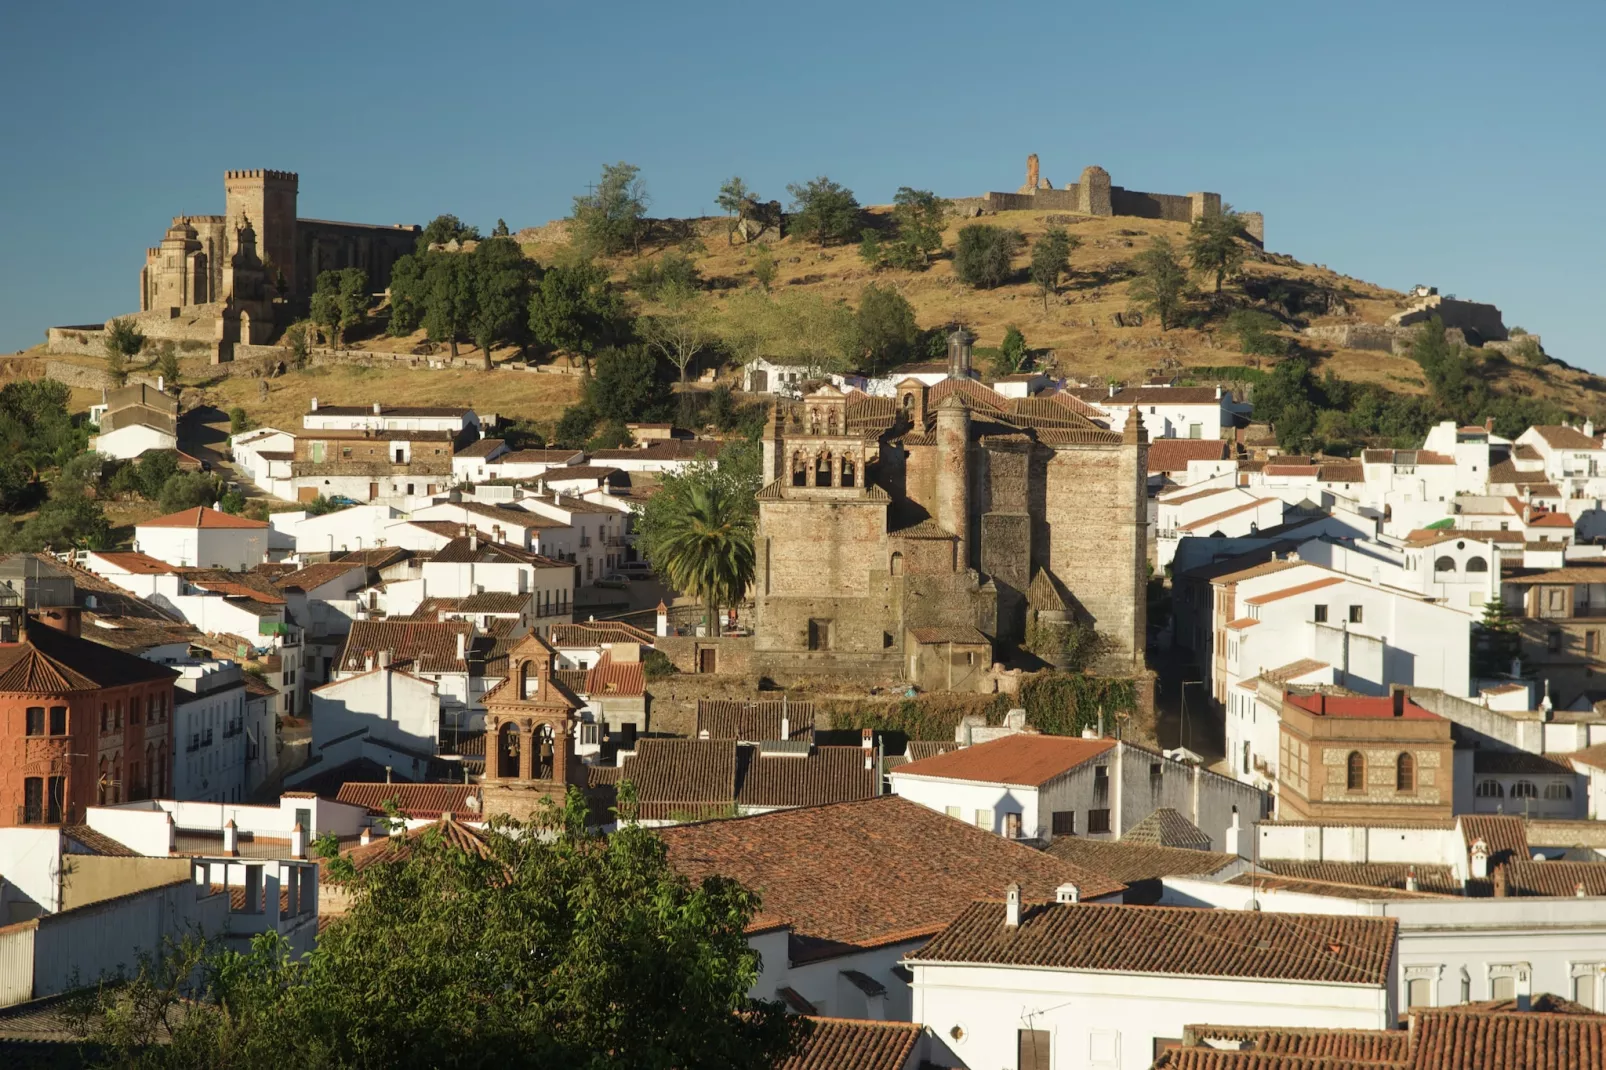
{"x":80,"y":723}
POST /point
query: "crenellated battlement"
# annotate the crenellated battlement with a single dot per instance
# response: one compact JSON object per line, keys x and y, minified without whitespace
{"x":260,"y":174}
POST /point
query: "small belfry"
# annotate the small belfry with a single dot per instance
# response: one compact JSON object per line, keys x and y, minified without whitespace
{"x":529,"y":732}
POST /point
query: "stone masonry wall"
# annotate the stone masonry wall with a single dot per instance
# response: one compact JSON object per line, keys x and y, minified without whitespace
{"x":1093,"y":518}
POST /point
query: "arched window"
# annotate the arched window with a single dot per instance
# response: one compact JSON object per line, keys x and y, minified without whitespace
{"x":1404,"y":773}
{"x":897,"y":564}
{"x":1357,"y":771}
{"x":849,"y":472}
{"x":507,"y":751}
{"x":1558,"y":791}
{"x":800,"y":470}
{"x":1477,"y":564}
{"x":527,"y":681}
{"x":822,"y":469}
{"x":1444,"y":564}
{"x":545,"y":753}
{"x":1524,"y":789}
{"x":1490,"y":789}
{"x":908,"y":403}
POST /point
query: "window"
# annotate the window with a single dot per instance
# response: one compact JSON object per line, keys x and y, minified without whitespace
{"x":1196,"y":431}
{"x":1355,"y":614}
{"x":1503,"y":987}
{"x":1356,"y":778}
{"x":1404,"y":773}
{"x":1477,"y":564}
{"x":1012,"y":826}
{"x":1419,"y":992}
{"x":984,"y":819}
{"x":1064,"y":822}
{"x":36,"y":720}
{"x":1246,"y":756}
{"x":1591,"y":642}
{"x":1321,"y":614}
{"x":1032,"y":1050}
{"x":1584,"y":986}
{"x":953,"y":812}
{"x":1524,"y":789}
{"x":33,"y":801}
{"x":1444,"y":564}
{"x":1098,"y":821}
{"x":1558,"y":791}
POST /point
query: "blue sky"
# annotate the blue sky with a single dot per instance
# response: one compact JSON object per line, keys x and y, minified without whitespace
{"x":1461,"y":145}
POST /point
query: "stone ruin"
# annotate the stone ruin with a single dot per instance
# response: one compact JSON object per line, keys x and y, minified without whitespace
{"x":1094,"y":194}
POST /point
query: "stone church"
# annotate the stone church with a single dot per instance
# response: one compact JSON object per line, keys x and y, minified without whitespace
{"x":913,"y":535}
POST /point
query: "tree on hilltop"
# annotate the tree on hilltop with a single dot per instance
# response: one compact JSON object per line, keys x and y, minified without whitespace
{"x":984,"y":254}
{"x":340,"y":302}
{"x":611,"y":217}
{"x":919,"y":215}
{"x":575,"y":310}
{"x":824,"y":210}
{"x":731,"y":195}
{"x":1051,"y":260}
{"x":446,"y":228}
{"x":123,"y":341}
{"x":448,"y":298}
{"x":1214,"y":248}
{"x":500,"y":231}
{"x":1160,"y":282}
{"x":684,"y":329}
{"x":503,"y":279}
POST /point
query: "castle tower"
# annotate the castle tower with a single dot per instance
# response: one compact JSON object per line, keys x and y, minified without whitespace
{"x":268,"y":199}
{"x":176,"y":271}
{"x":953,"y":472}
{"x":1093,"y":192}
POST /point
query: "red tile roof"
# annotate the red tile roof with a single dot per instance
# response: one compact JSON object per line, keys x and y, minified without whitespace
{"x":1129,"y":862}
{"x":694,"y":778}
{"x":847,"y":1044}
{"x":1429,"y":878}
{"x":1562,"y":437}
{"x":595,"y":633}
{"x":1185,"y":941}
{"x":622,"y":679}
{"x":413,"y":800}
{"x":1362,"y":1045}
{"x":51,"y":662}
{"x":399,"y":848}
{"x":1026,"y":759}
{"x":1291,"y":592}
{"x":1357,"y":706}
{"x":134,"y":562}
{"x":754,"y":722}
{"x":1205,"y":522}
{"x":870,"y":873}
{"x":1553,"y":878}
{"x":421,"y":646}
{"x":1173,"y":454}
{"x":1505,"y":834}
{"x":202,"y":517}
{"x":1524,"y":1041}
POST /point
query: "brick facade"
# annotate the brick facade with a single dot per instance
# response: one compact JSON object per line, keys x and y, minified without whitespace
{"x":1355,"y":759}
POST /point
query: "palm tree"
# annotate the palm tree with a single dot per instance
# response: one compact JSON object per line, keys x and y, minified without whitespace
{"x":698,"y":534}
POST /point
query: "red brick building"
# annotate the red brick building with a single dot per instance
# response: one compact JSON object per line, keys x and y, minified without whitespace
{"x":80,"y":723}
{"x":1354,"y":758}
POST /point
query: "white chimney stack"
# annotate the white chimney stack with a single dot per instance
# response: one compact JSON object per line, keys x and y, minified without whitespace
{"x":376,"y":408}
{"x":1410,"y":878}
{"x":384,"y":659}
{"x":663,"y":619}
{"x":786,"y":727}
{"x":298,"y":842}
{"x":1067,"y":893}
{"x":315,"y":403}
{"x":368,"y":661}
{"x":159,"y":385}
{"x":462,"y":646}
{"x":172,"y":832}
{"x":366,"y":838}
{"x":1578,"y":890}
{"x":1012,"y":906}
{"x":1480,"y":859}
{"x":867,"y":739}
{"x":473,"y":539}
{"x":231,"y":838}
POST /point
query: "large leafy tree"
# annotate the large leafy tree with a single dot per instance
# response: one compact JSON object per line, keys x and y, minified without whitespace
{"x":984,"y":254}
{"x":630,"y":384}
{"x":123,"y":341}
{"x":698,"y":533}
{"x":919,"y":215}
{"x":1051,"y":260}
{"x":555,"y":947}
{"x":1161,"y":281}
{"x":681,"y":331}
{"x":611,"y":216}
{"x":884,"y":329}
{"x":575,"y":310}
{"x":408,"y":293}
{"x":340,"y":302}
{"x":503,"y":279}
{"x":449,"y":298}
{"x":1213,"y":246}
{"x":824,"y":210}
{"x":446,"y":228}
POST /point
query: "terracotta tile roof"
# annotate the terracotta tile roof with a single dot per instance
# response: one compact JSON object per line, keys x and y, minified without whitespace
{"x":754,"y":722}
{"x":1291,"y":592}
{"x":1508,"y":472}
{"x":1346,"y":472}
{"x":1561,"y":437}
{"x":623,"y":679}
{"x":1265,"y":568}
{"x":1075,"y":404}
{"x":959,"y":634}
{"x":51,"y":662}
{"x":314,"y":576}
{"x":1026,"y":759}
{"x":481,"y":448}
{"x":1552,"y":520}
{"x":1595,"y":756}
{"x":1506,"y":836}
{"x":978,"y":395}
{"x":1571,"y":574}
{"x":1167,"y":828}
{"x":691,"y":778}
{"x":482,"y":551}
{"x":1173,"y":454}
{"x":255,"y":586}
{"x":557,"y":458}
{"x":1293,"y":670}
{"x":825,"y":775}
{"x":202,"y":517}
{"x":1183,"y":499}
{"x":1404,"y":457}
{"x":422,"y":646}
{"x":676,"y":450}
{"x":399,"y":848}
{"x":1528,"y":1041}
{"x":375,"y":556}
{"x":1128,"y":862}
{"x":97,"y":843}
{"x":846,"y":1044}
{"x":1361,"y":1045}
{"x":131,"y":561}
{"x":413,"y":800}
{"x":1542,"y":1003}
{"x":1554,"y":878}
{"x":1163,"y":395}
{"x":1185,"y":941}
{"x":1331,"y":889}
{"x":1429,"y":878}
{"x":1205,"y":522}
{"x":824,"y":870}
{"x":1357,"y":706}
{"x":1241,"y":623}
{"x":1273,"y":469}
{"x":388,"y":410}
{"x":596,"y":633}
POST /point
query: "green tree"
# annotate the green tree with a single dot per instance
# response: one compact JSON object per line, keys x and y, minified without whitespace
{"x":239,"y":422}
{"x":449,"y":298}
{"x":698,"y":533}
{"x":1158,"y":289}
{"x":685,"y":329}
{"x":504,"y":278}
{"x":576,"y":311}
{"x":1012,"y":352}
{"x":446,"y":228}
{"x":824,"y":210}
{"x":297,"y":343}
{"x":919,"y":215}
{"x":884,"y":329}
{"x":500,"y":230}
{"x":630,"y":384}
{"x":574,"y":427}
{"x":871,"y":250}
{"x":321,"y":506}
{"x":612,"y":216}
{"x":1213,"y":246}
{"x":123,"y":342}
{"x":1051,"y":260}
{"x":340,"y":302}
{"x":1256,"y":333}
{"x":409,"y":293}
{"x":984,"y":253}
{"x":673,"y":270}
{"x":731,"y":195}
{"x":764,"y":265}
{"x":156,"y":467}
{"x":188,"y":490}
{"x":167,"y":364}
{"x":1496,"y":643}
{"x":554,"y":946}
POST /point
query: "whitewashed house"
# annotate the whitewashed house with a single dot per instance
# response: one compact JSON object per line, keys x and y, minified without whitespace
{"x":381,"y":417}
{"x":526,"y":464}
{"x":386,"y":715}
{"x":209,"y":732}
{"x":469,"y":463}
{"x":1170,"y":411}
{"x":133,"y":419}
{"x":1025,"y":982}
{"x":204,"y":538}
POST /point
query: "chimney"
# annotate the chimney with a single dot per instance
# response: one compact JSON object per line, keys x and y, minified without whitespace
{"x":159,"y":389}
{"x":1088,"y":733}
{"x":662,"y":623}
{"x":366,"y":838}
{"x":462,"y":646}
{"x":1218,"y":393}
{"x":1067,"y":893}
{"x":315,"y":403}
{"x":231,"y":838}
{"x":473,"y":539}
{"x":1578,"y":890}
{"x":368,"y":661}
{"x":1589,"y":428}
{"x":867,"y":739}
{"x":1480,"y":858}
{"x":786,"y":727}
{"x":384,"y":658}
{"x":1398,"y":697}
{"x":387,"y":774}
{"x":298,"y":842}
{"x":172,"y":832}
{"x":376,"y":408}
{"x":1410,"y":878}
{"x":1012,"y":906}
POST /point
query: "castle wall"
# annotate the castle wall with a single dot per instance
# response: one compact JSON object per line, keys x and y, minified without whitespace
{"x":325,"y":246}
{"x":831,"y":560}
{"x":1093,"y":512}
{"x":268,"y":198}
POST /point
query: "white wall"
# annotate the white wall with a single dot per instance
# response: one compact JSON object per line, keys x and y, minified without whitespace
{"x":230,"y":548}
{"x":982,"y":805}
{"x":389,"y":705}
{"x":128,"y":442}
{"x":30,"y":859}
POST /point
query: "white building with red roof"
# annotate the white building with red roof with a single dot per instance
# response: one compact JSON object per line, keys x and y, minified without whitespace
{"x":204,"y":538}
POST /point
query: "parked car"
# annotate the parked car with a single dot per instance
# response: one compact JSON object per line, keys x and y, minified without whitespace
{"x":636,"y":570}
{"x":614,"y":580}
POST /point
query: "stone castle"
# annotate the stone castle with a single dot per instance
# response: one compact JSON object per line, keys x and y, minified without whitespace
{"x":218,"y":280}
{"x":917,"y":535}
{"x":1094,"y":195}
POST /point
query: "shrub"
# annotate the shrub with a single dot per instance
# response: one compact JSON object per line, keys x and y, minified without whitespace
{"x":982,"y":258}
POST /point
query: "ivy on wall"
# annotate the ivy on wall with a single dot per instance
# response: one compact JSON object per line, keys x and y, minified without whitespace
{"x":1058,"y":704}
